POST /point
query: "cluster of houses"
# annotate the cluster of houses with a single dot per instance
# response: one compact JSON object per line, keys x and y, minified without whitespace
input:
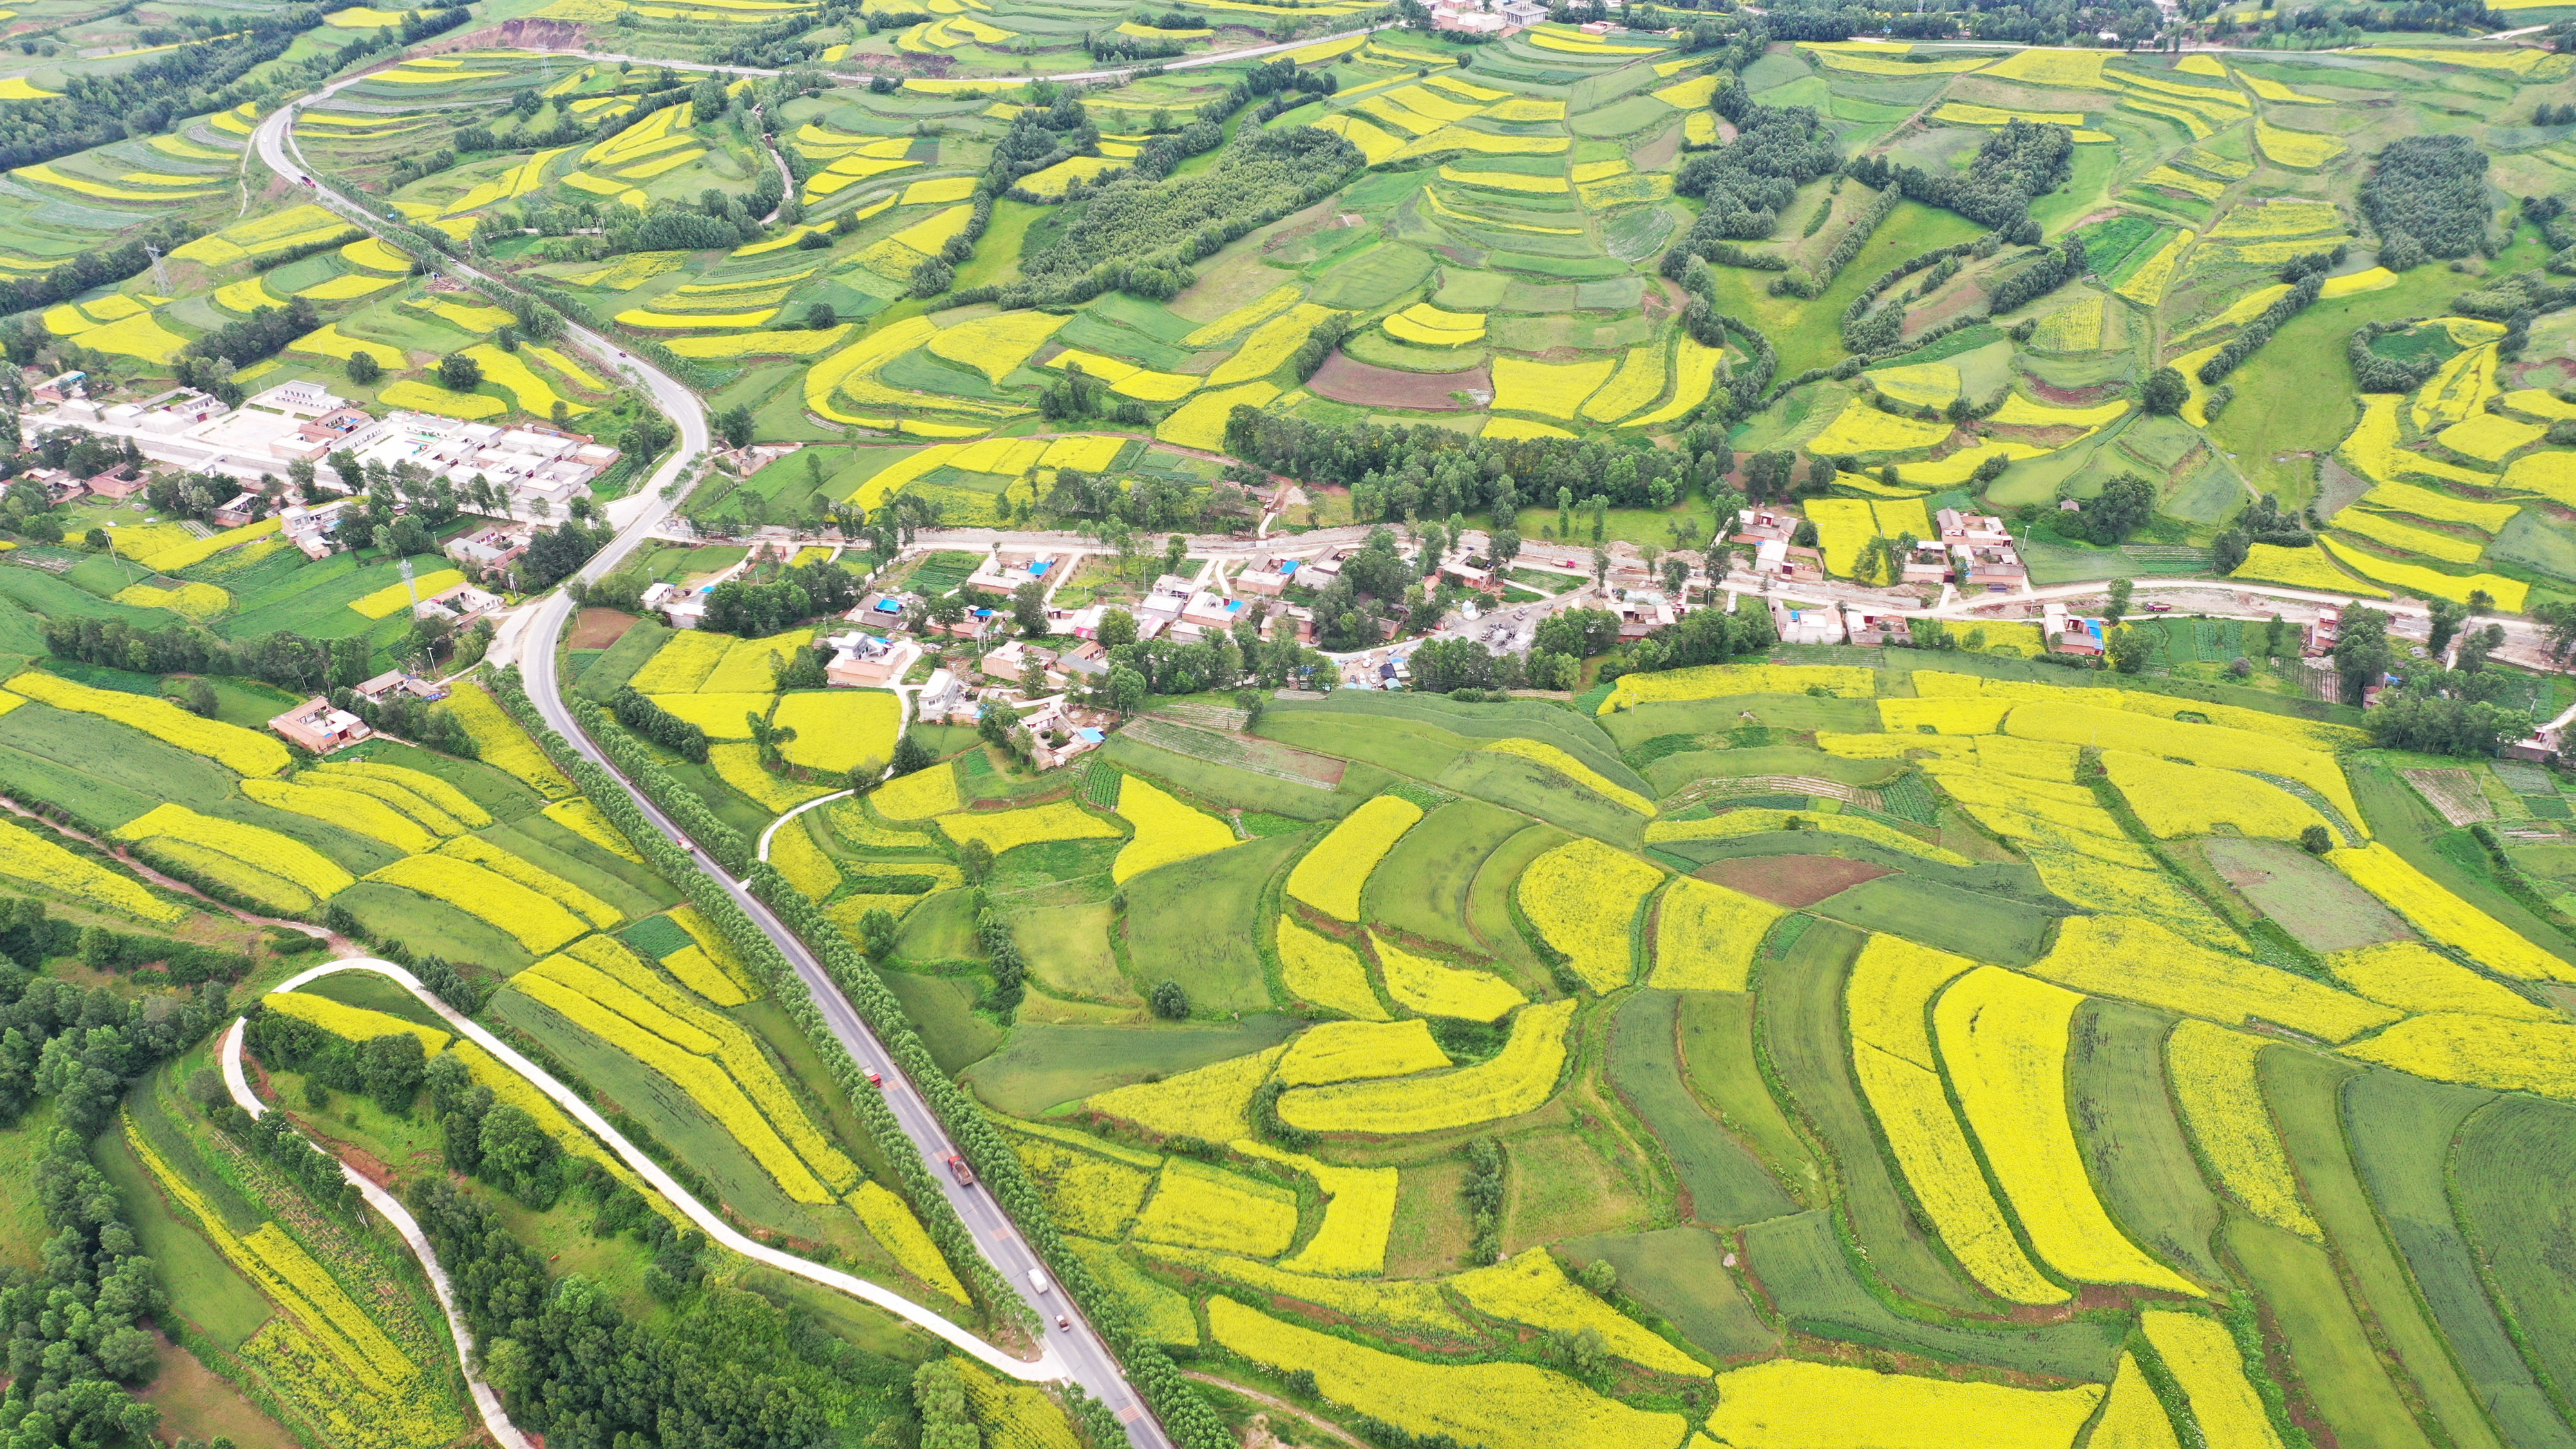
{"x":1974,"y":551}
{"x":533,"y":471}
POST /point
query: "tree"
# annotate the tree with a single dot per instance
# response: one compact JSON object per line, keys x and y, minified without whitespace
{"x":975,"y":858}
{"x":1175,"y":549}
{"x":2447,"y":619}
{"x":1116,"y":630}
{"x":736,"y":426}
{"x":1125,"y":691}
{"x":459,"y":373}
{"x":2165,"y":391}
{"x":2128,"y":649}
{"x":1170,"y":1002}
{"x":2122,"y":508}
{"x":2316,"y":840}
{"x":201,"y":699}
{"x":911,"y":754}
{"x":363,"y":368}
{"x":391,"y":1067}
{"x":1600,"y":1275}
{"x":2228,"y":553}
{"x":1028,"y":609}
{"x":821,"y":317}
{"x":2117,"y":608}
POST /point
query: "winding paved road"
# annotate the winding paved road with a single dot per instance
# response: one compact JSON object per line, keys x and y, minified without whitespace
{"x":1076,"y":1352}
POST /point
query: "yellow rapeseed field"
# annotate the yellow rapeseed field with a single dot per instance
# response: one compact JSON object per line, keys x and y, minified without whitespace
{"x":1717,"y":681}
{"x":28,"y":856}
{"x":1529,"y":1288}
{"x":2146,"y":286}
{"x":2201,"y":1355}
{"x":1347,"y":1051}
{"x":1498,"y":1405}
{"x":2220,"y":1091}
{"x":1331,"y":876}
{"x":1435,"y":988}
{"x":280,"y":855}
{"x":1548,"y":389}
{"x":919,"y":795}
{"x":2445,"y":917}
{"x":2482,"y":1051}
{"x":2140,"y":960}
{"x":1321,"y":970}
{"x":1359,"y":1213}
{"x":1891,"y":986}
{"x":1787,"y":1404}
{"x":1517,"y":1079}
{"x":502,"y":744}
{"x":1198,"y":1206}
{"x":1003,"y":830}
{"x":1207,"y":1103}
{"x":537,"y":921}
{"x":2003,"y":1039}
{"x":1583,"y":898}
{"x":242,"y":751}
{"x":1861,"y":428}
{"x":352,"y":1023}
{"x":1167,"y":831}
{"x":2412,"y":977}
{"x":1573,"y":769}
{"x":2175,"y":800}
{"x":1759,"y":820}
{"x":1705,"y":936}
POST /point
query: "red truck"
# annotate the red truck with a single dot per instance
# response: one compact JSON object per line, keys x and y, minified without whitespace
{"x":957,"y":1167}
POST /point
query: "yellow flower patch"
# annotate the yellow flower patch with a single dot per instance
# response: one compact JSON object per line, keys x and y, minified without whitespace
{"x":1167,"y":831}
{"x":1500,"y":1405}
{"x":352,"y":1024}
{"x":1198,"y":1206}
{"x":996,"y":345}
{"x":244,"y":752}
{"x":2220,"y":1091}
{"x":919,"y":795}
{"x":394,"y":598}
{"x":1705,"y":936}
{"x":2202,"y":1357}
{"x":536,"y":921}
{"x":2003,"y":1040}
{"x":1321,"y":970}
{"x":2413,"y":977}
{"x":1517,"y":1079}
{"x":1331,"y":875}
{"x":1003,"y":830}
{"x":1542,"y":753}
{"x":1347,"y":1051}
{"x":1842,"y":1406}
{"x":1583,"y":898}
{"x":2445,"y":917}
{"x":1529,"y":1288}
{"x":1208,"y":1103}
{"x":1549,"y":389}
{"x":2139,"y":960}
{"x":502,"y":744}
{"x":891,"y":1222}
{"x":28,"y":856}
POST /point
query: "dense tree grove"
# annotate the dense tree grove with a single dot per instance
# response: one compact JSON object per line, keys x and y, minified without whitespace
{"x":2250,"y":338}
{"x":2122,"y":508}
{"x":653,"y":722}
{"x":2017,"y":164}
{"x":2427,"y":195}
{"x":262,"y":334}
{"x":74,"y":1339}
{"x":730,"y":1371}
{"x":1141,"y":235}
{"x":1747,"y":182}
{"x":1431,"y":472}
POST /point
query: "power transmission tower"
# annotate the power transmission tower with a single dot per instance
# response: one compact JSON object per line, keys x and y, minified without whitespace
{"x":160,"y":270}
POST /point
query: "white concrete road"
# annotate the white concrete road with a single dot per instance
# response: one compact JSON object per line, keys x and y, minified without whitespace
{"x":1077,"y":1352}
{"x":713,"y":1225}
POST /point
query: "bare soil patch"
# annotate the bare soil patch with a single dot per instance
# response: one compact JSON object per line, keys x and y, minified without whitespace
{"x":599,"y":628}
{"x":1368,"y":385}
{"x":1795,"y":881}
